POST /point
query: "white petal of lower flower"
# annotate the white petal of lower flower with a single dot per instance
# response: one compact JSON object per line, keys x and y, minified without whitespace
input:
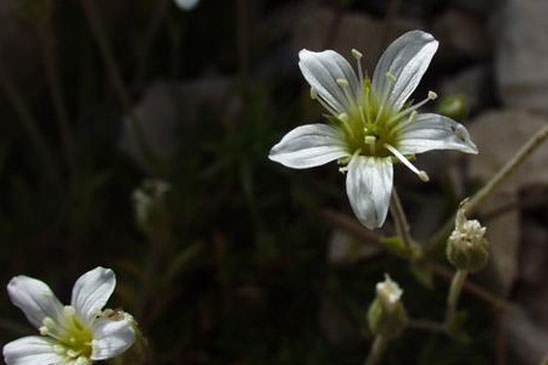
{"x":407,"y":59}
{"x":111,"y":338}
{"x":435,"y":132}
{"x":322,"y":70}
{"x":369,"y":186}
{"x":92,"y":291}
{"x":309,"y":145}
{"x":35,"y":299}
{"x":186,"y":4}
{"x":31,"y":350}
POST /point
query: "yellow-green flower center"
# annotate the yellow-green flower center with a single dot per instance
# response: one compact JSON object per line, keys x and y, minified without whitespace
{"x":74,"y":338}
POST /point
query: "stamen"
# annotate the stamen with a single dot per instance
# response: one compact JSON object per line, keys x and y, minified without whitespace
{"x":431,"y":96}
{"x":43,"y":330}
{"x":390,"y":78}
{"x":343,"y":83}
{"x":314,"y":95}
{"x":358,"y":56}
{"x":420,"y":173}
{"x":343,"y":117}
{"x":343,"y":170}
{"x":412,"y":118}
{"x":371,"y":141}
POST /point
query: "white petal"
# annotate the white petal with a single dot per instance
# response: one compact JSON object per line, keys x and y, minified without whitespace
{"x":435,"y":132}
{"x":92,"y":291}
{"x":35,"y":299}
{"x":111,"y":338}
{"x":369,"y":186}
{"x":407,"y":58}
{"x":322,"y":70}
{"x":32,"y":350}
{"x":186,"y":4}
{"x":309,"y":145}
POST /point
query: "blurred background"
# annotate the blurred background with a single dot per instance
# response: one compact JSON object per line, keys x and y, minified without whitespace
{"x":135,"y":136}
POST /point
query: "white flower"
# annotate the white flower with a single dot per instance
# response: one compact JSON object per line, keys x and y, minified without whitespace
{"x":187,"y":4}
{"x":77,"y":334}
{"x":371,"y":124}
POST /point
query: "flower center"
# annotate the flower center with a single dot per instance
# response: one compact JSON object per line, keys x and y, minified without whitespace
{"x":74,"y":339}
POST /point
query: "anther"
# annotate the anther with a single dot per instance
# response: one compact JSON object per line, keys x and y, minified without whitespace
{"x":72,"y":353}
{"x":343,"y":83}
{"x":370,"y":140}
{"x":58,"y":349}
{"x":43,"y":330}
{"x":357,"y":54}
{"x":432,"y":95}
{"x":48,"y":323}
{"x":343,"y":170}
{"x":423,"y":176}
{"x":313,"y":93}
{"x":69,"y":311}
{"x":390,"y":77}
{"x":343,"y":117}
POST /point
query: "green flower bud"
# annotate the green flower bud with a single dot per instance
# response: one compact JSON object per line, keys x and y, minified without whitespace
{"x":387,"y":316}
{"x":467,"y":247}
{"x":150,"y":207}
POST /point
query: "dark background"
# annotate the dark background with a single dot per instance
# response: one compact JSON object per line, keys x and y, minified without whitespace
{"x":244,"y":261}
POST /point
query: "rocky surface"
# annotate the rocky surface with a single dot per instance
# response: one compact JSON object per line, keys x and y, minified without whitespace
{"x":520,"y":32}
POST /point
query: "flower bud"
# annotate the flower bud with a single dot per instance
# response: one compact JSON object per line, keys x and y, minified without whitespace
{"x":150,"y":207}
{"x":386,"y":315}
{"x":467,"y":247}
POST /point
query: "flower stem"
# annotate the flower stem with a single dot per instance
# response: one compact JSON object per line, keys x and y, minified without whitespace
{"x":377,"y":350}
{"x":402,"y":225}
{"x":452,"y":300}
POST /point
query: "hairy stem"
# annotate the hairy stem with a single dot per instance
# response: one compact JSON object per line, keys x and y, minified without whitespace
{"x":453,"y":298}
{"x":377,"y":350}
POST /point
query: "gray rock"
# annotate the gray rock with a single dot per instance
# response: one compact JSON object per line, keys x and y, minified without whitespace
{"x":462,"y":35}
{"x":499,"y":135}
{"x":527,"y":340}
{"x":474,"y":84}
{"x":521,"y":52}
{"x":167,"y":107}
{"x":344,"y":249}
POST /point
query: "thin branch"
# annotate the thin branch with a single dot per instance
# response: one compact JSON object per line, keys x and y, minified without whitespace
{"x":427,"y":325}
{"x":378,"y":347}
{"x":400,"y":220}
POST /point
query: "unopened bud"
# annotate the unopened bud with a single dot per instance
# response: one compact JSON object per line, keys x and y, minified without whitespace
{"x":386,"y":315}
{"x":467,"y":247}
{"x":150,"y":204}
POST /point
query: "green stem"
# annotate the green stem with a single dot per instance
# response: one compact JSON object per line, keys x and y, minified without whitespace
{"x":453,"y":298}
{"x":377,"y":350}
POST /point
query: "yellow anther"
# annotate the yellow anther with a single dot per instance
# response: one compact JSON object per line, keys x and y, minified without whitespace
{"x":342,"y":82}
{"x":432,"y":95}
{"x":423,"y":176}
{"x":357,"y":54}
{"x":390,"y":77}
{"x":343,"y":117}
{"x":43,"y":330}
